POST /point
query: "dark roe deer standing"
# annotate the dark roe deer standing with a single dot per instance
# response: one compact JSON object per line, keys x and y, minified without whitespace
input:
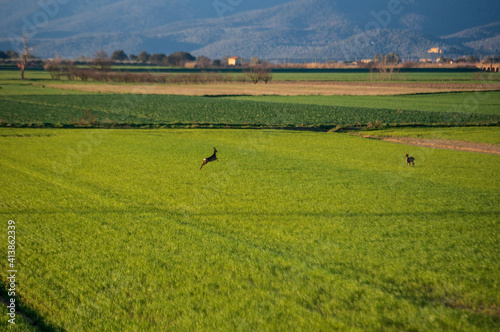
{"x":410,"y":160}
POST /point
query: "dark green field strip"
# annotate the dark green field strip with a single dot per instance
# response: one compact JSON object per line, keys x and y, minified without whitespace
{"x":466,"y":102}
{"x":21,"y":111}
{"x":161,"y":109}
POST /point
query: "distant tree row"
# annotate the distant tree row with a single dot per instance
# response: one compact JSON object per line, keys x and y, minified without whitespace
{"x":64,"y":68}
{"x":392,"y":58}
{"x":174,"y":59}
{"x":468,"y":59}
{"x":10,"y":54}
{"x":177,"y":59}
{"x":492,"y":59}
{"x":13,"y":55}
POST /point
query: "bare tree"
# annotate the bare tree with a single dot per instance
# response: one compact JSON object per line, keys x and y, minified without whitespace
{"x":385,"y":66}
{"x":102,"y":60}
{"x":24,"y":57}
{"x":53,"y":67}
{"x":259,"y":73}
{"x":266,"y":75}
{"x":58,"y":67}
{"x":385,"y":70}
{"x":203,"y":62}
{"x":253,"y":74}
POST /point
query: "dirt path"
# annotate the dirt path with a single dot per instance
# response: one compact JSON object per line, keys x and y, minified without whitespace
{"x":442,"y":144}
{"x":294,"y":88}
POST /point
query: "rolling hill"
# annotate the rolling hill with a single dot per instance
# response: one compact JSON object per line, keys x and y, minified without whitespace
{"x":294,"y":30}
{"x":484,"y":38}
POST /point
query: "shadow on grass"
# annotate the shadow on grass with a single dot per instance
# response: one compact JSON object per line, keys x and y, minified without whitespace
{"x":31,"y":316}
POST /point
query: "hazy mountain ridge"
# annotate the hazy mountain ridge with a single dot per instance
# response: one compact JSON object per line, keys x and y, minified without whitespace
{"x":484,"y":38}
{"x":300,"y":29}
{"x":480,"y":32}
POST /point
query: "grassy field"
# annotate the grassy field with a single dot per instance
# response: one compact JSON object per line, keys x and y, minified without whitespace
{"x":449,"y":77}
{"x":398,"y":77}
{"x":489,"y":135}
{"x":119,"y":230}
{"x":350,"y":75}
{"x":21,"y":324}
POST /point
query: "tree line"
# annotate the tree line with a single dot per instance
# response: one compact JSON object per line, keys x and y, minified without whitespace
{"x":100,"y":65}
{"x":103,"y":61}
{"x":67,"y":70}
{"x":177,"y":59}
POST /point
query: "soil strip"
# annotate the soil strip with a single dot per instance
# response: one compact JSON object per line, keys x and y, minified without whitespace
{"x":441,"y":144}
{"x":295,"y":88}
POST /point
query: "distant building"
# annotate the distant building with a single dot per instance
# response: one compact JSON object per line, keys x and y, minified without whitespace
{"x":366,"y":61}
{"x":435,"y":50}
{"x":234,"y":61}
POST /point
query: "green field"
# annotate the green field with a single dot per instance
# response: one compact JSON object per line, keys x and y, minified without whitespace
{"x":466,"y":102}
{"x":169,"y":110}
{"x":119,"y":230}
{"x":21,"y":324}
{"x":398,"y":77}
{"x":35,"y":90}
{"x":489,"y":135}
{"x":409,"y":77}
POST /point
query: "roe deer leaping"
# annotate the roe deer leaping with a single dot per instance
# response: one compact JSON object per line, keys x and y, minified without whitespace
{"x":209,"y":159}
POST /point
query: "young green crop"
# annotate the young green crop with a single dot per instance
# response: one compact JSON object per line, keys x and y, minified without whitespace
{"x":467,"y":102}
{"x":119,"y":230}
{"x":138,"y":110}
